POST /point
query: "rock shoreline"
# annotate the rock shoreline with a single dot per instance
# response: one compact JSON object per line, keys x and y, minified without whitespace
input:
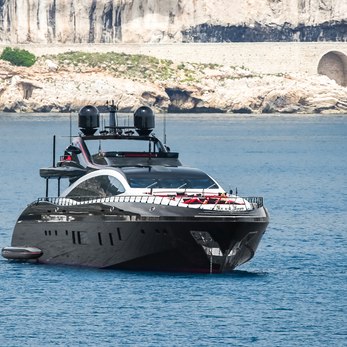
{"x":52,"y":86}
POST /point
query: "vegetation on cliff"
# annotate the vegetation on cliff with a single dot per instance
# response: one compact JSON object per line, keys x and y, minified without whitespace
{"x":18,"y":57}
{"x":136,"y":67}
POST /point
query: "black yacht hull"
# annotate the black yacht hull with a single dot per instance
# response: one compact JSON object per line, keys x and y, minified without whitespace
{"x":141,"y":236}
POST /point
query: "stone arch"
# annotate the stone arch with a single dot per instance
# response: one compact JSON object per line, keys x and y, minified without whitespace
{"x":334,"y":65}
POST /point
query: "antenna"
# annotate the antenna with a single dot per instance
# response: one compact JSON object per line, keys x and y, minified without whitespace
{"x":112,"y":120}
{"x":70,"y":126}
{"x":164,"y":137}
{"x":113,"y":117}
{"x":53,"y":150}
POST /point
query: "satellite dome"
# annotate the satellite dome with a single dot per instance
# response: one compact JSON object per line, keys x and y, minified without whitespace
{"x":144,"y":120}
{"x":88,"y":119}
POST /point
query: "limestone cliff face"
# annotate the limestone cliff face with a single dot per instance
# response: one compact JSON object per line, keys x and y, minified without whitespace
{"x":97,"y":21}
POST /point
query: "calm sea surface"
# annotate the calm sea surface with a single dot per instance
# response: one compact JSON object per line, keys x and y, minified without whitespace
{"x":293,"y":293}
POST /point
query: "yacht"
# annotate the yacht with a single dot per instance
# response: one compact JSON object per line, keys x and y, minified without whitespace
{"x":131,"y":204}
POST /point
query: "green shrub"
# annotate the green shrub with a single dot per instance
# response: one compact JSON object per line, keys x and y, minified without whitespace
{"x":18,"y":57}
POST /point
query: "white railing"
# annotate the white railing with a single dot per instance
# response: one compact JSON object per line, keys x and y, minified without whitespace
{"x":217,"y":204}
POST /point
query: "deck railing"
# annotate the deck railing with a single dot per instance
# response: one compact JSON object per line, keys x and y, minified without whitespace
{"x":255,"y":202}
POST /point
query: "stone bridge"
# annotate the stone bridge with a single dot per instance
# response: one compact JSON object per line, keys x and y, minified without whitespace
{"x":328,"y":58}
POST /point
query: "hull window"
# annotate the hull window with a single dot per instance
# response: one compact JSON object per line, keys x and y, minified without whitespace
{"x":111,"y":239}
{"x":73,"y":237}
{"x":119,"y":234}
{"x":78,"y":237}
{"x":50,"y":233}
{"x":82,"y":238}
{"x":100,"y":239}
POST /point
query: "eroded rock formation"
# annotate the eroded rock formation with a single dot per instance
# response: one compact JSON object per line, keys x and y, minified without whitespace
{"x":215,"y":89}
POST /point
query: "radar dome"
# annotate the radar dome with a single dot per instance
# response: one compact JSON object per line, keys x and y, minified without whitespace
{"x":144,"y":120}
{"x":88,"y":119}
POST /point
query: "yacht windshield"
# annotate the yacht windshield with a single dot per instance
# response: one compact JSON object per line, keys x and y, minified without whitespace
{"x":169,"y":178}
{"x":99,"y":186}
{"x":121,"y":145}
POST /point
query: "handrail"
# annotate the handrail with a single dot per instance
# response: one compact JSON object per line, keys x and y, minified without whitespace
{"x":256,"y":202}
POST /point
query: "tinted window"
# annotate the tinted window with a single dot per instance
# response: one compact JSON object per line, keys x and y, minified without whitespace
{"x":100,"y":186}
{"x":120,"y":145}
{"x":170,"y":180}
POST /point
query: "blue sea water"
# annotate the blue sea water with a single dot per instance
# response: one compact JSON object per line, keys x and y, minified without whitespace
{"x":292,"y":293}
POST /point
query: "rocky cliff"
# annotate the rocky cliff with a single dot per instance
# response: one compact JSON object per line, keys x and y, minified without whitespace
{"x":127,"y":21}
{"x":68,"y":81}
